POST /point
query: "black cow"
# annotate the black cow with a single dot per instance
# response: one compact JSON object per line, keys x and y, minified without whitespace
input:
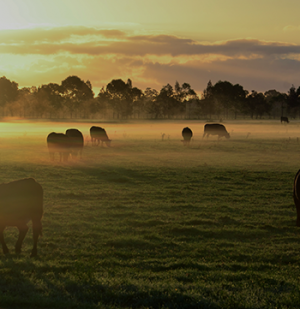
{"x":187,"y":135}
{"x":99,"y":134}
{"x":59,"y":142}
{"x":76,"y":141}
{"x":284,"y":119}
{"x":215,"y":129}
{"x":20,"y":202}
{"x":296,"y":195}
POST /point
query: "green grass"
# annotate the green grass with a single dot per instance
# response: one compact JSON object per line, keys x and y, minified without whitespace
{"x":152,"y":224}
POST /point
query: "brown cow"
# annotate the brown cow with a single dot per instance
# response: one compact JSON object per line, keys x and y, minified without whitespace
{"x":284,"y":119}
{"x":20,"y":202}
{"x":215,"y":129}
{"x":99,"y":134}
{"x":59,"y":142}
{"x":187,"y":135}
{"x":76,"y":142}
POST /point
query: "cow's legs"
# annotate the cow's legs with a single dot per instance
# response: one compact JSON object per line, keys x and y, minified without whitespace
{"x":4,"y":247}
{"x":23,"y":229}
{"x":36,"y":233}
{"x":37,"y":230}
{"x":51,"y":154}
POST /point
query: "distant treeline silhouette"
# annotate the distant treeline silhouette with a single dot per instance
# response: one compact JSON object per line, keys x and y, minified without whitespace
{"x":74,"y":98}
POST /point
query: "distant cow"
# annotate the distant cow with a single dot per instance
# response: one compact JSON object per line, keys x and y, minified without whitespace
{"x":284,"y":119}
{"x":187,"y":135}
{"x":76,"y":141}
{"x":296,"y":195}
{"x":59,"y":142}
{"x":215,"y":129}
{"x":20,"y":202}
{"x":99,"y":134}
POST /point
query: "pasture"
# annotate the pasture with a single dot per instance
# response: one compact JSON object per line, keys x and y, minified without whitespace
{"x":149,"y":223}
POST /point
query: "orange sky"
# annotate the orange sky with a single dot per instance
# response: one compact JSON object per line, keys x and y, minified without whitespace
{"x":253,"y":43}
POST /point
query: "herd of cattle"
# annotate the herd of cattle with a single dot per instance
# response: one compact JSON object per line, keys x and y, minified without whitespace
{"x":22,"y":200}
{"x":72,"y":142}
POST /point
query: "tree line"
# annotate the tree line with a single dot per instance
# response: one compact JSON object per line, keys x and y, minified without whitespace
{"x":74,"y":98}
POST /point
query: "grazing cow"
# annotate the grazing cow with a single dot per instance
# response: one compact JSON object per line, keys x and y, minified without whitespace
{"x":20,"y":202}
{"x":284,"y":119}
{"x":99,"y":134}
{"x":187,"y":135}
{"x":215,"y":129}
{"x":59,"y":142}
{"x":296,"y":195}
{"x":76,"y":142}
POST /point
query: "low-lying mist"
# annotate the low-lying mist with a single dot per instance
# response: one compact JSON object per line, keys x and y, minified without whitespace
{"x":253,"y":144}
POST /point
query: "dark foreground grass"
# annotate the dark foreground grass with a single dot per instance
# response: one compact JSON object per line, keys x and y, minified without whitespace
{"x":133,"y":235}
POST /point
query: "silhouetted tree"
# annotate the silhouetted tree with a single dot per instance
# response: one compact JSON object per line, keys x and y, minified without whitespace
{"x":122,"y":97}
{"x":230,"y":97}
{"x":278,"y":102}
{"x":257,"y":105}
{"x":52,"y":93}
{"x":74,"y":92}
{"x":207,"y":102}
{"x":152,"y":105}
{"x":8,"y":91}
{"x":166,"y":99}
{"x":293,"y":101}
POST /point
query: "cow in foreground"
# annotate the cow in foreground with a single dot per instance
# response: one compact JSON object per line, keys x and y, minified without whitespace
{"x":215,"y":129}
{"x":20,"y":202}
{"x":187,"y":135}
{"x":296,"y":195}
{"x":284,"y":119}
{"x":99,"y":134}
{"x":59,"y":142}
{"x":75,"y":141}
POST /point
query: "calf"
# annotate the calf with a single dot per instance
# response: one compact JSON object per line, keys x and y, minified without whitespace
{"x":284,"y":119}
{"x":20,"y":202}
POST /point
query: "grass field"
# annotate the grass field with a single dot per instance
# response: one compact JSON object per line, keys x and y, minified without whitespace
{"x":149,"y":223}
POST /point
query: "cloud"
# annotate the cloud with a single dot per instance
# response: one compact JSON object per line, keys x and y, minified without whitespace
{"x":89,"y":41}
{"x":100,"y":55}
{"x":54,"y":35}
{"x":291,"y":28}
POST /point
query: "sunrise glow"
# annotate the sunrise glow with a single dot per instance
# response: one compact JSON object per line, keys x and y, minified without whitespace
{"x":256,"y":45}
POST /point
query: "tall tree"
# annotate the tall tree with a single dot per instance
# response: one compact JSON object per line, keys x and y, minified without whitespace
{"x":75,"y":91}
{"x":230,"y":97}
{"x":52,"y":93}
{"x":278,"y":102}
{"x":293,"y":101}
{"x":167,"y":100}
{"x":8,"y":91}
{"x":152,"y":105}
{"x":257,"y":105}
{"x":122,"y":97}
{"x":207,"y":102}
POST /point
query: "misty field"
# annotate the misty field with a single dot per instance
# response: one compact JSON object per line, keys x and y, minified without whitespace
{"x":149,"y":223}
